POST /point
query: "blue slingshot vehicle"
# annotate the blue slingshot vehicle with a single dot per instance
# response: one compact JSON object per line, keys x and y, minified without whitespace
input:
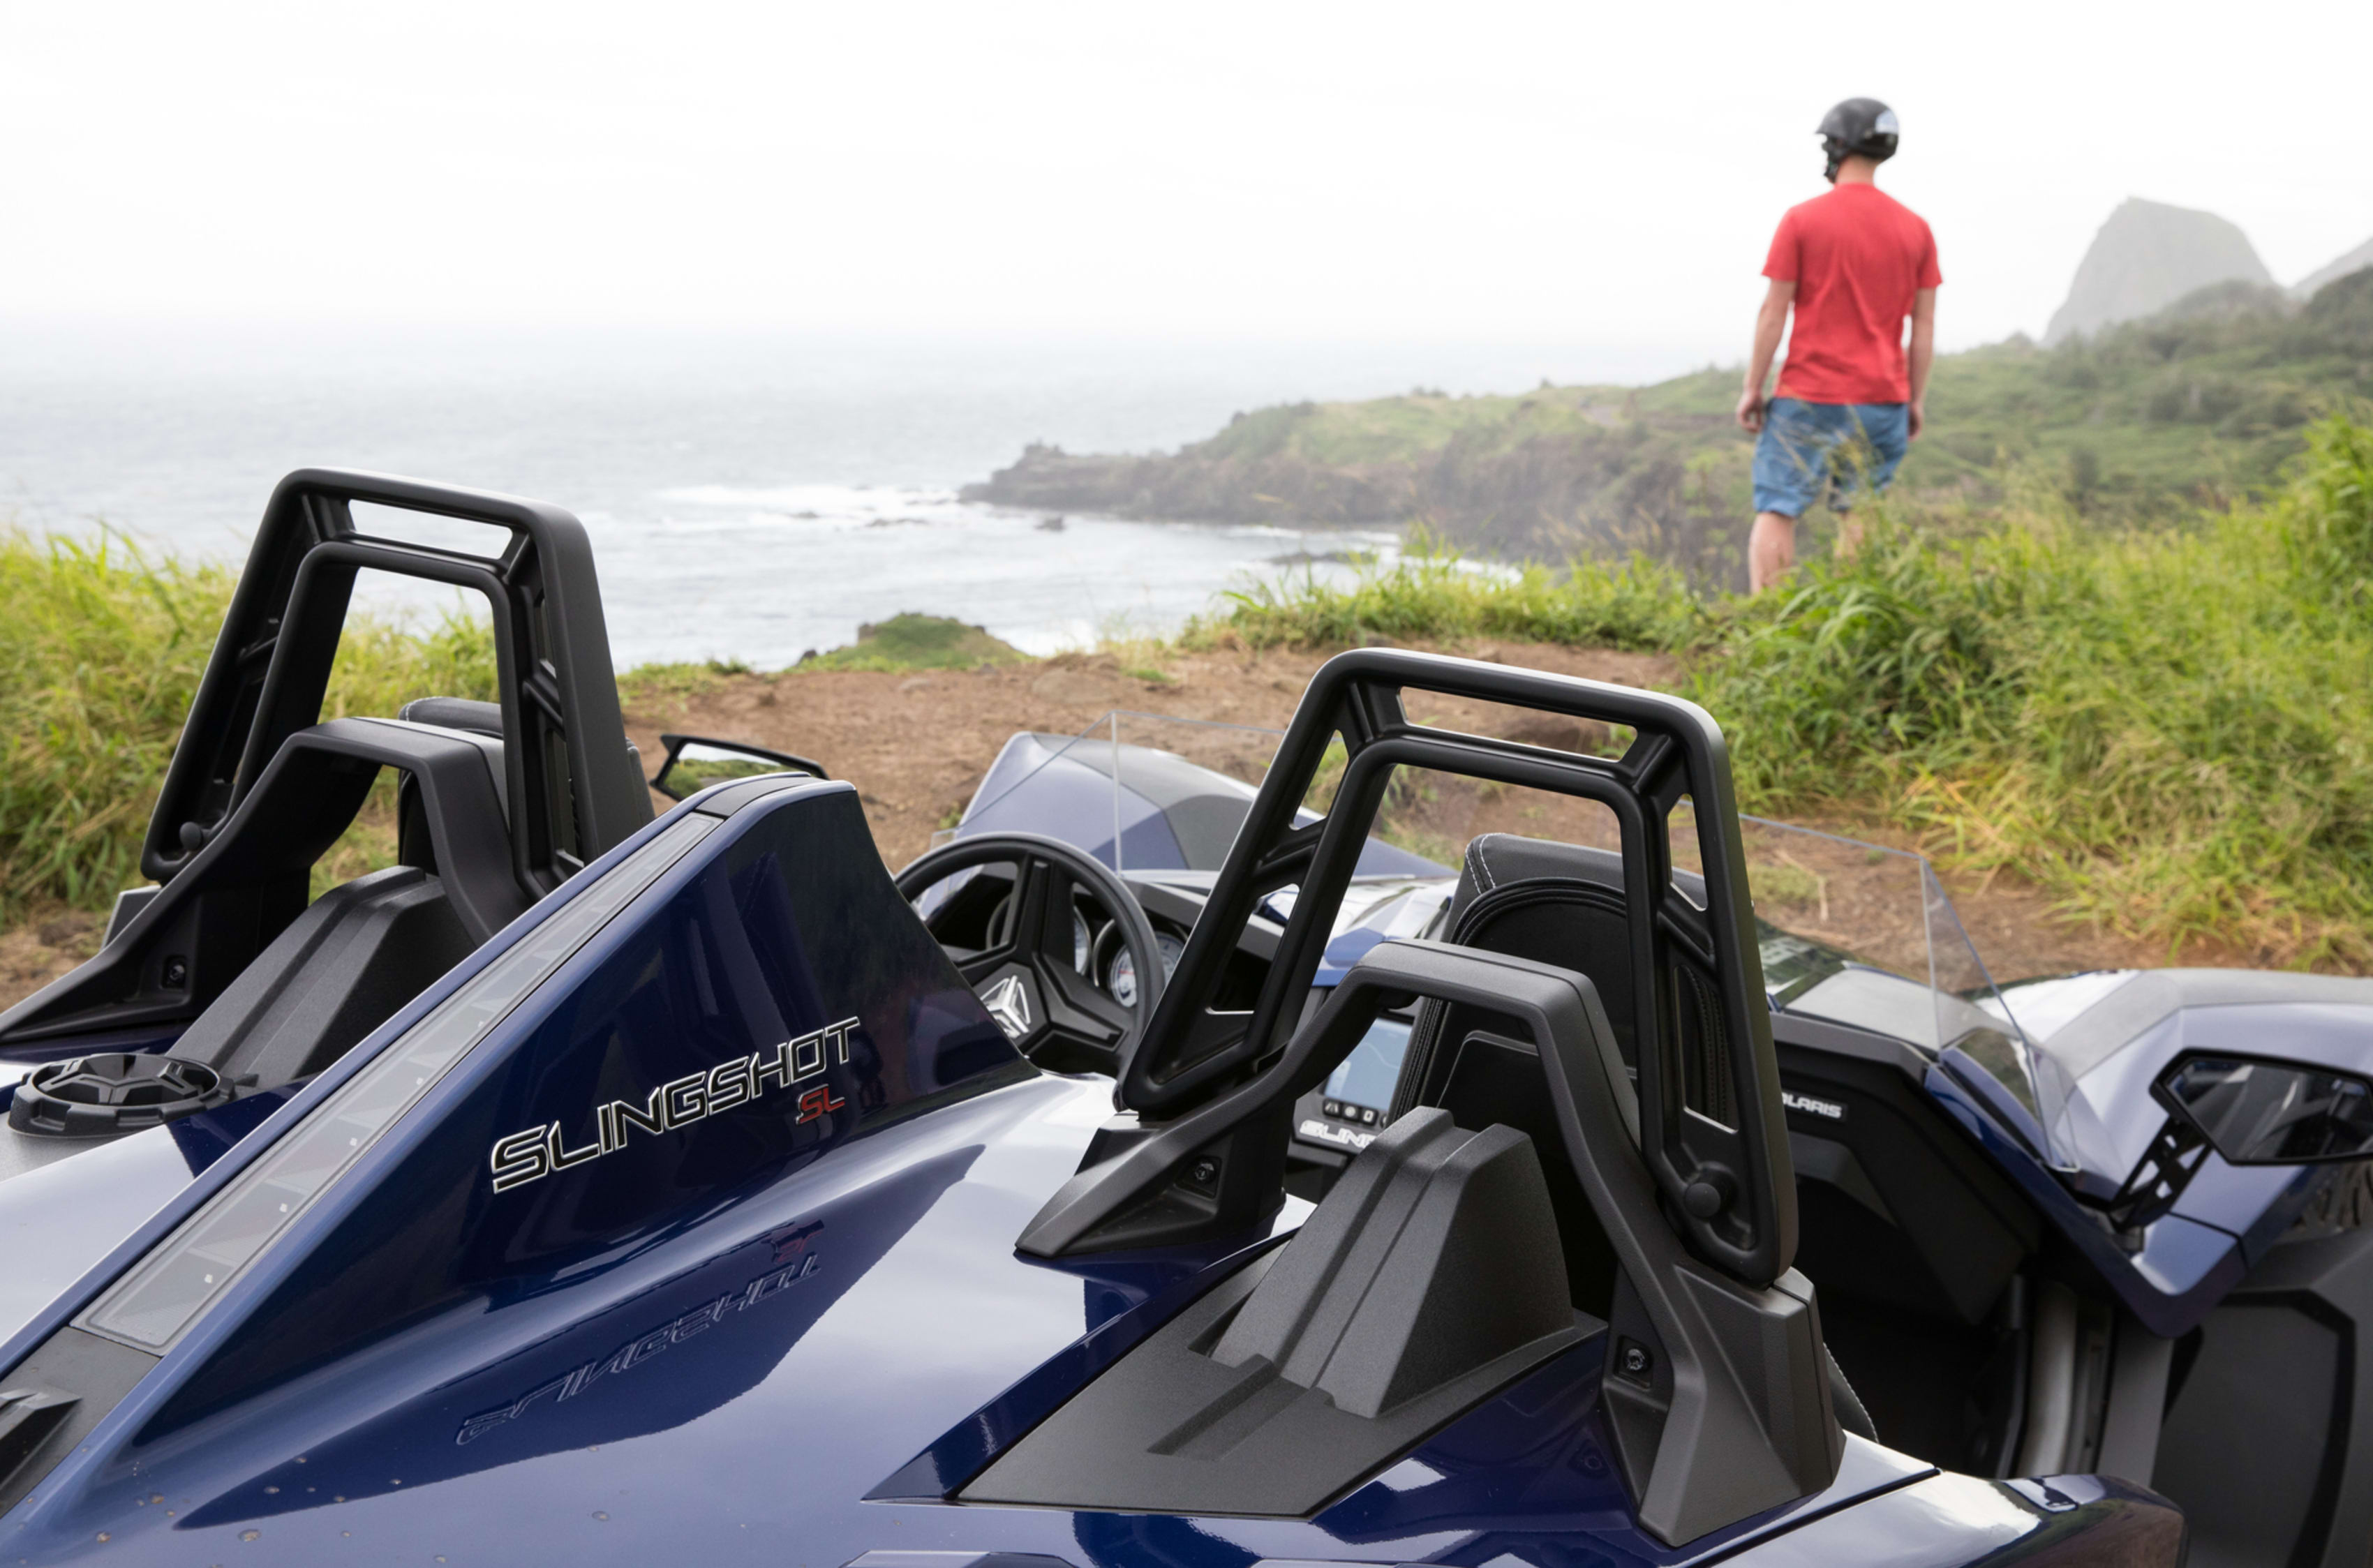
{"x":592,"y":1188}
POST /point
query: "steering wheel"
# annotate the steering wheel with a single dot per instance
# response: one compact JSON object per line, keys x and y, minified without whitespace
{"x":1028,"y":975}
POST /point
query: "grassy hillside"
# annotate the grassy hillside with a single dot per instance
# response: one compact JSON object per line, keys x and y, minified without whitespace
{"x":2171,"y":729}
{"x":2202,"y":405}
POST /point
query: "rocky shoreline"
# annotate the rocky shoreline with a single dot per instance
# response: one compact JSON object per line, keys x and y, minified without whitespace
{"x":1185,"y":487}
{"x":1601,"y":479}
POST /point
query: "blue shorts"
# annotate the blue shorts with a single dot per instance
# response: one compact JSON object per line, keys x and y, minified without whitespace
{"x":1808,"y":446}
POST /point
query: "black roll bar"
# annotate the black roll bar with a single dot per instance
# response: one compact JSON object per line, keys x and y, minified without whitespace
{"x":1731,"y":1187}
{"x":573,"y":790}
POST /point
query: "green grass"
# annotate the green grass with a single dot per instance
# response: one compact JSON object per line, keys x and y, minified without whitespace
{"x":910,"y":641}
{"x":668,"y":686}
{"x":2171,"y":729}
{"x":1430,"y":591}
{"x":100,"y":650}
{"x":1396,"y":429}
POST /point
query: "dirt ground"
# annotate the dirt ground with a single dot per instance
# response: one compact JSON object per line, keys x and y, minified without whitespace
{"x":916,"y":744}
{"x":38,"y":952}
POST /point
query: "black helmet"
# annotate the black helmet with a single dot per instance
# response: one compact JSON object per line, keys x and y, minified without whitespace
{"x":1859,"y":125}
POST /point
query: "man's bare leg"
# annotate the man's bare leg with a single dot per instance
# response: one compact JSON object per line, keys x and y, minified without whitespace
{"x":1770,"y":550}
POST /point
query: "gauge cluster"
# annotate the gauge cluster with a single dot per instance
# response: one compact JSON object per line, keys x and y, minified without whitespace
{"x":974,"y":910}
{"x":1114,"y":967}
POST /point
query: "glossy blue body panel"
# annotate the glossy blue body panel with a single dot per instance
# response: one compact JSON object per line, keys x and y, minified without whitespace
{"x":738,"y":1437}
{"x":2184,"y":1266}
{"x":205,"y":1182}
{"x":780,"y":1330}
{"x":1062,"y":788}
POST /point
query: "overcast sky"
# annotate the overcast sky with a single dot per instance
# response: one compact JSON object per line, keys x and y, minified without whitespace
{"x":1602,"y":173}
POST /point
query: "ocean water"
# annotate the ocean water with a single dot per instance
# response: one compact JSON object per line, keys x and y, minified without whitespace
{"x":749,"y":497}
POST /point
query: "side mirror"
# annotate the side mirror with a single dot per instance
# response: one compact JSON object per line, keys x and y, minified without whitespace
{"x":2258,"y":1112}
{"x":694,"y":762}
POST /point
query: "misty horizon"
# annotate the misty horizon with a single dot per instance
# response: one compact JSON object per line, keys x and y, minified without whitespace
{"x":1535,"y":172}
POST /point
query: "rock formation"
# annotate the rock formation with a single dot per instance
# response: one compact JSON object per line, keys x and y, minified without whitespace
{"x":2145,"y":258}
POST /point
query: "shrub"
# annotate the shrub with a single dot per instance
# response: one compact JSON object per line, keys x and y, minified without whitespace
{"x":101,"y":648}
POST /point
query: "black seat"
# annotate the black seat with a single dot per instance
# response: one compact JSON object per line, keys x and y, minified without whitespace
{"x":1559,"y":903}
{"x":1562,"y":904}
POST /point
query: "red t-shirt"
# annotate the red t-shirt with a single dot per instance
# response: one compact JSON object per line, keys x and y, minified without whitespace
{"x":1856,"y":256}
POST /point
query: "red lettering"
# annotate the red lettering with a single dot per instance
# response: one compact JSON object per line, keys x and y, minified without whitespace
{"x":817,"y":1101}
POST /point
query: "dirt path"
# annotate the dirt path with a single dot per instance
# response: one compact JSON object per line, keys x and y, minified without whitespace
{"x":916,"y":746}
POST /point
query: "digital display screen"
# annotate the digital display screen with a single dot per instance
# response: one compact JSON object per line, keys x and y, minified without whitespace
{"x":1366,"y":1077}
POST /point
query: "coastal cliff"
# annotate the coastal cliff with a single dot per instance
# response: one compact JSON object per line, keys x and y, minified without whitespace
{"x":2202,"y":403}
{"x":1551,"y":472}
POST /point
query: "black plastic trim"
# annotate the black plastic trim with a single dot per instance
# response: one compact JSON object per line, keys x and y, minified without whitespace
{"x":1732,"y":1413}
{"x":575,"y":788}
{"x":1192,"y":1053}
{"x":2245,"y":1496}
{"x":1428,"y":1278}
{"x":88,"y":1375}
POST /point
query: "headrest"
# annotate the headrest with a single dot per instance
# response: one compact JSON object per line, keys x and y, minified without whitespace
{"x":1495,"y":859}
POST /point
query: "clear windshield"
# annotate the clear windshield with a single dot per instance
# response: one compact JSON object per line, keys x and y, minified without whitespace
{"x":1863,"y":934}
{"x":1852,"y":932}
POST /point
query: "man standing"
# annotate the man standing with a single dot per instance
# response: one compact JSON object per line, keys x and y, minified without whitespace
{"x":1853,"y":264}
